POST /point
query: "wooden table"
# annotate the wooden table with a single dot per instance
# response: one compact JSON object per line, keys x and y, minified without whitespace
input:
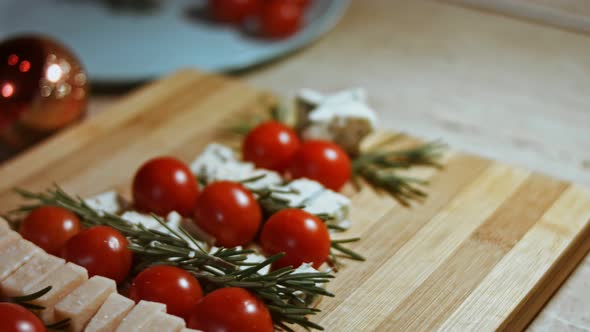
{"x":494,"y":85}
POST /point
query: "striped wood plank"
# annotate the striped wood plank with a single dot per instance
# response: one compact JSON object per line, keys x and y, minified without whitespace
{"x":484,"y":252}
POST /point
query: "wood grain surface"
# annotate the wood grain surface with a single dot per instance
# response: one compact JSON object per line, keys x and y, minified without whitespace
{"x":484,"y":252}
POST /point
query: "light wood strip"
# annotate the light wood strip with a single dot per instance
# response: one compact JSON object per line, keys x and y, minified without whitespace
{"x":121,"y":165}
{"x":72,"y":139}
{"x":400,"y":225}
{"x":424,"y":252}
{"x":518,"y":273}
{"x":445,"y":289}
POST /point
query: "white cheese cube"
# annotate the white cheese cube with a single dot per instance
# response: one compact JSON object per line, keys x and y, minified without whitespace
{"x":63,"y":281}
{"x":214,"y":156}
{"x":81,"y":304}
{"x":137,"y":218}
{"x":138,"y":317}
{"x":30,"y":273}
{"x":332,"y":204}
{"x":270,"y":179}
{"x":110,"y":314}
{"x":256,"y":258}
{"x":107,"y":202}
{"x":15,"y":255}
{"x":162,"y":322}
{"x":298,"y":192}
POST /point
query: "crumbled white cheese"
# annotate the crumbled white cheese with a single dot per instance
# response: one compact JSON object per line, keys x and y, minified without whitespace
{"x":298,"y":192}
{"x":140,"y":218}
{"x":305,"y":268}
{"x":256,"y":258}
{"x":107,"y":202}
{"x":332,"y":204}
{"x":315,"y":199}
{"x":219,"y":162}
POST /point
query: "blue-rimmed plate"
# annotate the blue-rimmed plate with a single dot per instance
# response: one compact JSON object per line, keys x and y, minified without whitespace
{"x":126,"y":46}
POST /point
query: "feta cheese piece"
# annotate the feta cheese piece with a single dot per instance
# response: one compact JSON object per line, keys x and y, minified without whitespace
{"x":218,"y":162}
{"x":138,"y":317}
{"x":81,"y":304}
{"x":30,"y":273}
{"x":14,"y":256}
{"x":107,"y":202}
{"x":110,"y":314}
{"x":298,"y":192}
{"x":344,"y":118}
{"x":214,"y":156}
{"x":139,"y":218}
{"x":162,"y":322}
{"x":63,"y":281}
{"x":331,"y":204}
{"x":256,"y":258}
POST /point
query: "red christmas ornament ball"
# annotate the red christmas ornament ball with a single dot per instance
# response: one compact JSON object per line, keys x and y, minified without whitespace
{"x":43,"y":88}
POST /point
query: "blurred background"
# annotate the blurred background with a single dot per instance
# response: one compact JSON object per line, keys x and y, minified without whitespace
{"x":506,"y":79}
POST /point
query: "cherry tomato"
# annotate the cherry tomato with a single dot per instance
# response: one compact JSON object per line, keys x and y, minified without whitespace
{"x":281,"y":18}
{"x":234,"y":11}
{"x":102,"y":250}
{"x":229,"y":212}
{"x":271,"y":145}
{"x":50,"y":227}
{"x":231,"y":310}
{"x":322,"y":161}
{"x":163,"y":185}
{"x":303,"y":237}
{"x":14,"y":318}
{"x":174,"y":287}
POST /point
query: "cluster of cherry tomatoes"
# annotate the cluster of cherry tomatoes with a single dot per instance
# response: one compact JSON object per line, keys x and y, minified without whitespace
{"x":277,"y":18}
{"x":226,"y":210}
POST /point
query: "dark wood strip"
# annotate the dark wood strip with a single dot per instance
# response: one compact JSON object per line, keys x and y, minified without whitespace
{"x":445,"y":289}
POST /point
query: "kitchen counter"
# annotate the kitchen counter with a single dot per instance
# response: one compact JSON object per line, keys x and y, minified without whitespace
{"x":494,"y":85}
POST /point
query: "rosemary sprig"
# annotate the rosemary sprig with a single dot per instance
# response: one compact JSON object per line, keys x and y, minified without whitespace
{"x":379,"y":169}
{"x":223,"y":268}
{"x":24,"y":302}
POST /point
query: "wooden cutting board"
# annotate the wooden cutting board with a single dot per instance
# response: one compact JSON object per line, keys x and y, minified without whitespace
{"x":484,"y":252}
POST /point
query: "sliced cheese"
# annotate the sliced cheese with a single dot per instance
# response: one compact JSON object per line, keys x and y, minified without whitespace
{"x":30,"y":273}
{"x":110,"y":314}
{"x":162,"y":322}
{"x":14,"y":256}
{"x":138,"y":318}
{"x":7,"y":239}
{"x":80,"y":305}
{"x":4,"y":227}
{"x":63,"y":281}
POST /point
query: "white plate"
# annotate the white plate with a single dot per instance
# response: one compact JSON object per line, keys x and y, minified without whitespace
{"x":126,"y":46}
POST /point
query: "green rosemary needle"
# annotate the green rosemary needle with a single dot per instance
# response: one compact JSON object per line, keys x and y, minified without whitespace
{"x":223,"y":268}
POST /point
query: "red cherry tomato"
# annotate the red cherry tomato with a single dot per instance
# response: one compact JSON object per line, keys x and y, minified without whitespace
{"x":163,"y":185}
{"x":102,"y":250}
{"x":174,"y":287}
{"x":271,"y":145}
{"x":229,"y":212}
{"x":322,"y":161}
{"x":302,"y":3}
{"x":231,"y":310}
{"x":234,"y":11}
{"x":50,"y":227}
{"x":281,"y":18}
{"x":303,"y":237}
{"x":14,"y":318}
